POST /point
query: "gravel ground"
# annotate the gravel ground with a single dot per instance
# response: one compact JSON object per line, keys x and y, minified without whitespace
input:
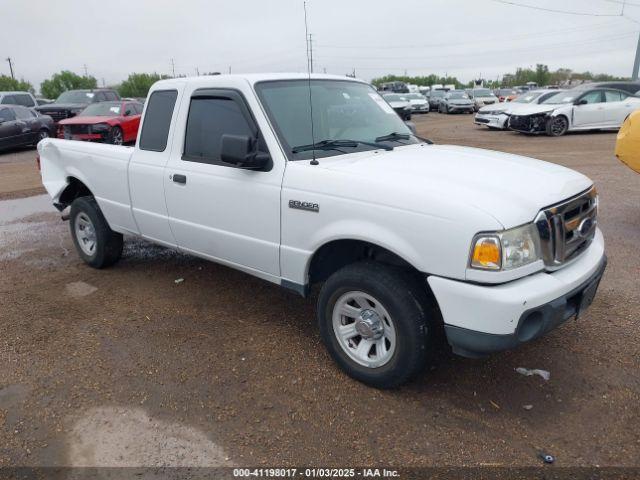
{"x":127,"y":367}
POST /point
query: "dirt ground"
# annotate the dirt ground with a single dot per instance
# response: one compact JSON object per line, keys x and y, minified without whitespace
{"x":127,"y":367}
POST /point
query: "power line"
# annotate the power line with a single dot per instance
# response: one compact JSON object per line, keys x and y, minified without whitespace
{"x":493,"y":52}
{"x":563,"y":31}
{"x":566,"y":12}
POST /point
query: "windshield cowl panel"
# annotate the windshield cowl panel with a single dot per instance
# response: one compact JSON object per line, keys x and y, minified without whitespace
{"x":342,"y":109}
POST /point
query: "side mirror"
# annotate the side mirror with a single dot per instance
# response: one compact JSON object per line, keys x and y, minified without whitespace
{"x":412,"y":126}
{"x":580,"y":102}
{"x":241,"y":151}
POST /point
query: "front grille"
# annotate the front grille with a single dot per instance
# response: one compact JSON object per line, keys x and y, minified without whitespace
{"x":57,"y":115}
{"x":79,"y":129}
{"x":567,"y":229}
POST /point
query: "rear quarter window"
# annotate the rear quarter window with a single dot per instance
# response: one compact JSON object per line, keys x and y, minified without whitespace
{"x":157,"y":120}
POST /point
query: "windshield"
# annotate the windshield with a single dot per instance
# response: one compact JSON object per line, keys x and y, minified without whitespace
{"x":562,"y":97}
{"x":482,"y":92}
{"x":506,"y":92}
{"x":75,"y":96}
{"x":527,"y":97}
{"x":104,"y":109}
{"x":341,"y":110}
{"x":438,"y":93}
{"x":457,"y":95}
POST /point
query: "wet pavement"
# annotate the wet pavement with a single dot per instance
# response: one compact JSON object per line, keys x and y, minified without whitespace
{"x":127,"y":367}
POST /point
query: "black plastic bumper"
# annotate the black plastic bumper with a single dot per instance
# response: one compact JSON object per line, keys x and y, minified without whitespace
{"x":532,"y":324}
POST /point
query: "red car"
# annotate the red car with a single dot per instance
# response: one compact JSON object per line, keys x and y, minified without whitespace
{"x":109,"y":122}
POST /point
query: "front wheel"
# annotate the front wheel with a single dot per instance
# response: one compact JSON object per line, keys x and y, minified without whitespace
{"x":557,"y":126}
{"x":116,"y":136}
{"x":375,"y":323}
{"x":96,"y":243}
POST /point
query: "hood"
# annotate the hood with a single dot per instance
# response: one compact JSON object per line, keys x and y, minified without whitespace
{"x":399,"y":104}
{"x":87,"y":120}
{"x":496,"y":107}
{"x":510,"y":188}
{"x":417,"y":101}
{"x":531,"y":108}
{"x":61,"y":106}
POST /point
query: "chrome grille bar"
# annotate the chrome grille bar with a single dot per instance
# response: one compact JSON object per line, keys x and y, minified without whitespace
{"x":567,"y":229}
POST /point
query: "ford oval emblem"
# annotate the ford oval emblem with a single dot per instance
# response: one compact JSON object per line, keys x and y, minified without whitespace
{"x":585,"y":227}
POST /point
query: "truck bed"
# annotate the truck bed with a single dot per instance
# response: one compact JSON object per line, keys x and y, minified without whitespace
{"x":101,"y":167}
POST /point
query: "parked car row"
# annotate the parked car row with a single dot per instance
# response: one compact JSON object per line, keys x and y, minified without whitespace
{"x":556,"y":112}
{"x":97,"y":115}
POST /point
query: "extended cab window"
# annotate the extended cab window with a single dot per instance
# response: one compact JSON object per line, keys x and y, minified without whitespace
{"x":157,"y":121}
{"x":209,"y":119}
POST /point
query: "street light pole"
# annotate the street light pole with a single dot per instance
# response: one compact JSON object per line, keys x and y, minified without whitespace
{"x":636,"y":64}
{"x":11,"y":67}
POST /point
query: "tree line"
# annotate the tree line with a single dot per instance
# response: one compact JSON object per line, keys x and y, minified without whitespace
{"x":540,"y":74}
{"x":136,"y":85}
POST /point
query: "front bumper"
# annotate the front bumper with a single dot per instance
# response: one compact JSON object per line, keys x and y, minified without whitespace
{"x":481,"y":319}
{"x":495,"y":121}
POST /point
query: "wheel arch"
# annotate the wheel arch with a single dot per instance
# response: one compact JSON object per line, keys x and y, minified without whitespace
{"x":338,"y":253}
{"x":75,"y":188}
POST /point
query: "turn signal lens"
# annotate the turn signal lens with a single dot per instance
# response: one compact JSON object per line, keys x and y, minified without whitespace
{"x":487,"y":253}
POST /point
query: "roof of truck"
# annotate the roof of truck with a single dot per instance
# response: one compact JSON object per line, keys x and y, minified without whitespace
{"x":255,"y":78}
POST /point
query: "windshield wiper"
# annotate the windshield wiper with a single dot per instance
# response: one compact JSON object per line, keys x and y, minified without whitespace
{"x":336,"y":145}
{"x":393,"y":136}
{"x":401,"y":136}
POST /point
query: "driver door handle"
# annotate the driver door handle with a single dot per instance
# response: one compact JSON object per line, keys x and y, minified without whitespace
{"x":177,"y":178}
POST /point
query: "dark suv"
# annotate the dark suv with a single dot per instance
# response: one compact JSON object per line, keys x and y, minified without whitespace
{"x":72,"y":102}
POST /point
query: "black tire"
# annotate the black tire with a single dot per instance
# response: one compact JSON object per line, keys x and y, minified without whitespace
{"x":116,"y":137}
{"x":42,"y":134}
{"x":557,"y":126}
{"x":406,"y":301}
{"x":108,"y":244}
{"x":446,"y":109}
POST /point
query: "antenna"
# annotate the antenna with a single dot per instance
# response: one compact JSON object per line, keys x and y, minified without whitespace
{"x":308,"y":40}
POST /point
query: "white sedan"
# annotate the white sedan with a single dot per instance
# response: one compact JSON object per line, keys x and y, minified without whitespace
{"x":495,"y":116}
{"x":576,"y":109}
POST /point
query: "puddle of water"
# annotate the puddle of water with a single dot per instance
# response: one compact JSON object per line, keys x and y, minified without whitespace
{"x":129,"y":437}
{"x":11,"y":210}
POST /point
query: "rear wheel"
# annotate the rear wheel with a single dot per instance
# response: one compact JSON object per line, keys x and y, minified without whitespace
{"x":375,"y":323}
{"x":557,"y":126}
{"x":96,"y":243}
{"x":115,"y":136}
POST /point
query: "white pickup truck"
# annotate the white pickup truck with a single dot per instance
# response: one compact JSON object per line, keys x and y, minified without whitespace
{"x":408,"y":239}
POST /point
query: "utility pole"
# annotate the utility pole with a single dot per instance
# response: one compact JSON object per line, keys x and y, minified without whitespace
{"x":197,"y":72}
{"x":86,"y":72}
{"x":229,"y":69}
{"x":11,"y":67}
{"x":636,"y":64}
{"x":173,"y":68}
{"x":310,"y":53}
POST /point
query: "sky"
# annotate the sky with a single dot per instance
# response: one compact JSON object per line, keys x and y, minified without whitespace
{"x":462,"y":38}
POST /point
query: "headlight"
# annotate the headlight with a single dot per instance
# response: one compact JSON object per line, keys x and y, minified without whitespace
{"x":505,"y":250}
